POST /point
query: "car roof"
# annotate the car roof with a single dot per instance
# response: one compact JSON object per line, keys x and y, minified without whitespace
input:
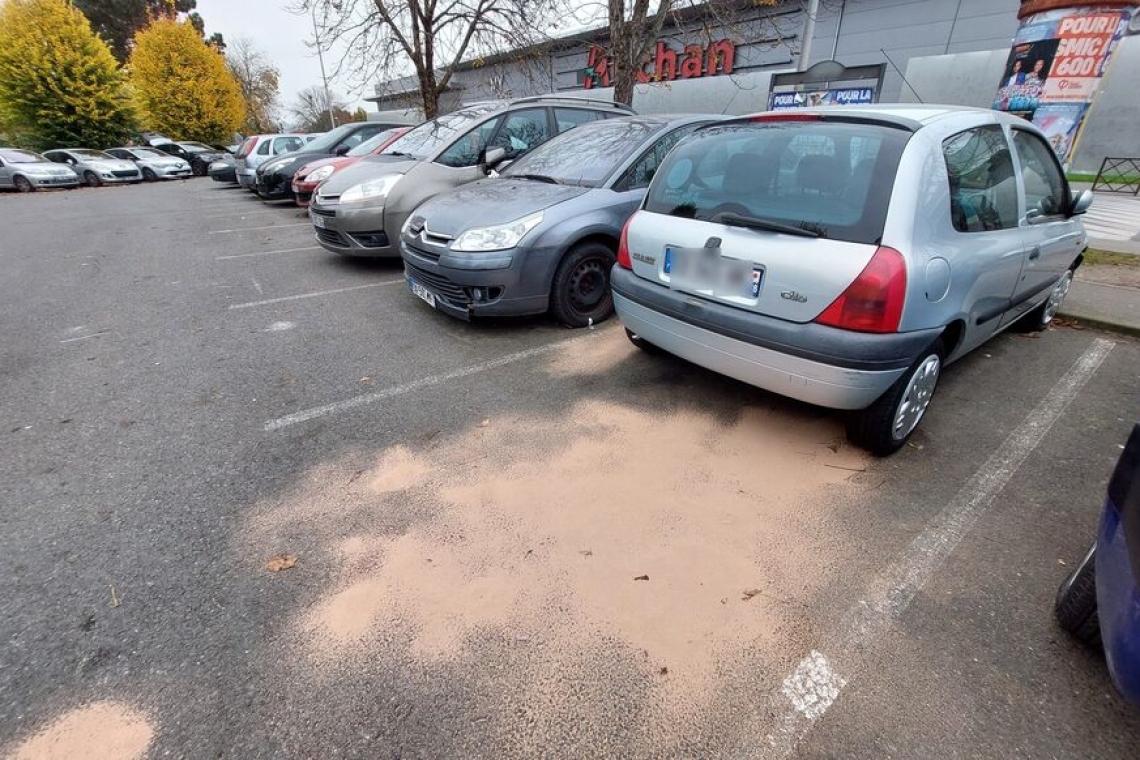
{"x":911,"y":116}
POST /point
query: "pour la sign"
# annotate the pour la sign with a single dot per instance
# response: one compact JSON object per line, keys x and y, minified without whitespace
{"x":665,"y":64}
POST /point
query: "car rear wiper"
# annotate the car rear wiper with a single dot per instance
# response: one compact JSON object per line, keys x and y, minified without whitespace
{"x":755,"y":223}
{"x":397,"y":153}
{"x":538,"y":178}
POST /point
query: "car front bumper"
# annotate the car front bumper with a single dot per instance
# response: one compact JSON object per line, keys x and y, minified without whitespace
{"x":274,"y":187}
{"x":71,"y":181}
{"x":303,"y":192}
{"x":172,"y":173}
{"x":352,"y":231}
{"x":838,"y":369}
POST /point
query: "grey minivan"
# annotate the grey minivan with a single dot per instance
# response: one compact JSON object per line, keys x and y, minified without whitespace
{"x":842,"y":256}
{"x":542,"y":236}
{"x":359,"y":210}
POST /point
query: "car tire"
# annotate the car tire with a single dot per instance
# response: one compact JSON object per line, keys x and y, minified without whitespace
{"x":92,"y":179}
{"x":24,"y":185}
{"x":1075,"y":607}
{"x":199,"y":169}
{"x":643,"y":344}
{"x":885,"y":426}
{"x":1039,"y":319}
{"x":149,"y":175}
{"x":580,"y":294}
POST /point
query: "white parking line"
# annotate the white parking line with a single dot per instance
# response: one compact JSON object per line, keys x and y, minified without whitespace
{"x":814,"y":685}
{"x":415,"y":385}
{"x":318,"y":293}
{"x":255,"y":229}
{"x":266,"y":253}
{"x":86,"y":337}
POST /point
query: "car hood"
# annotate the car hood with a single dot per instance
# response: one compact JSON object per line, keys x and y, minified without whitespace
{"x":159,"y":162}
{"x":111,"y":165}
{"x":45,"y":168}
{"x":336,"y":162}
{"x":492,"y":201}
{"x":368,"y":167}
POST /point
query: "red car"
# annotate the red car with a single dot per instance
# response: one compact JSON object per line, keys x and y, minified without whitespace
{"x":310,"y":175}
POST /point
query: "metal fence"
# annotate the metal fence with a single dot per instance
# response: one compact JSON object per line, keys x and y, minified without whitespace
{"x":1118,"y":175}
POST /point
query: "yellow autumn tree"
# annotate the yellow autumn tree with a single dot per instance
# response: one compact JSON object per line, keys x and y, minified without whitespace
{"x":182,"y":86}
{"x":59,"y":84}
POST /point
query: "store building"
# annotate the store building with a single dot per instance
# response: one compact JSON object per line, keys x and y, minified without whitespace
{"x":743,"y":58}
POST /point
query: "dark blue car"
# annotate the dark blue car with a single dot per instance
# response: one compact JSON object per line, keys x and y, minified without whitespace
{"x":1100,"y":598}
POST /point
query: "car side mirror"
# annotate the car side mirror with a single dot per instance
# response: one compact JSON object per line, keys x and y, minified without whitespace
{"x":343,"y":150}
{"x":1082,"y":203}
{"x":494,"y":157}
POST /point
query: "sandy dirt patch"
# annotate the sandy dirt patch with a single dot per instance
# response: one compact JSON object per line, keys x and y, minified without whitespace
{"x":101,"y":731}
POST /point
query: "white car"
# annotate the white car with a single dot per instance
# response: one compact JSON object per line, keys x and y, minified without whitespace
{"x":96,"y":167}
{"x":258,"y":149}
{"x":27,"y":172}
{"x":154,"y":164}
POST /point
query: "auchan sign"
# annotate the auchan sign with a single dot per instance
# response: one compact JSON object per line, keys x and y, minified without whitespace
{"x":666,"y":64}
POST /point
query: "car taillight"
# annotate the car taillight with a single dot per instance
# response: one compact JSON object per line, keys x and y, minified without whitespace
{"x":874,"y":301}
{"x":624,"y":260}
{"x":767,"y":117}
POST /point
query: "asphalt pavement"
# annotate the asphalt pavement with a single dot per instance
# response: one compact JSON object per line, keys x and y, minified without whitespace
{"x":503,"y":539}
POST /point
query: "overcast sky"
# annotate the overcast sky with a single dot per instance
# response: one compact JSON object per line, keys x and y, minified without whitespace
{"x":281,"y":35}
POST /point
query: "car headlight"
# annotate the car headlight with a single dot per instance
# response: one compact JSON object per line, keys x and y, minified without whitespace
{"x":499,"y":237}
{"x":370,"y":190}
{"x":217,"y":166}
{"x":321,"y":174}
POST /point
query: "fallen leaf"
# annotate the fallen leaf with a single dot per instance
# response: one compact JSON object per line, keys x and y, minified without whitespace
{"x":484,"y":423}
{"x":749,"y":593}
{"x":366,"y":380}
{"x":280,"y":562}
{"x":642,"y":578}
{"x":663,"y":671}
{"x":586,"y":553}
{"x":1029,"y":336}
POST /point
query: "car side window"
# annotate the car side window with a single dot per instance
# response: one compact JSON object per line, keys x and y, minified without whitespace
{"x":286,"y":144}
{"x":638,"y":176}
{"x":983,"y":188}
{"x":265,"y":147}
{"x":359,"y":136}
{"x":568,"y":118}
{"x":467,"y":150}
{"x":521,"y":131}
{"x":1045,"y":190}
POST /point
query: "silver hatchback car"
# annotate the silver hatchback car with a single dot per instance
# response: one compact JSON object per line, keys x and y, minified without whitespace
{"x":842,"y":256}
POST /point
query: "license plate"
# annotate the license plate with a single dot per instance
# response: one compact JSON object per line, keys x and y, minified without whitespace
{"x":706,"y":269}
{"x":427,"y":296}
{"x":318,"y":221}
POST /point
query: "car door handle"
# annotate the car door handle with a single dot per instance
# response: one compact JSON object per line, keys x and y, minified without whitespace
{"x":1034,"y":254}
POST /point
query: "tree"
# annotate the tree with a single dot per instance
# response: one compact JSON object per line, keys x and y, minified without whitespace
{"x":117,"y":21}
{"x":360,"y":114}
{"x":183,"y":87}
{"x":311,"y":110}
{"x":426,"y":38}
{"x":259,"y":82}
{"x":59,"y":83}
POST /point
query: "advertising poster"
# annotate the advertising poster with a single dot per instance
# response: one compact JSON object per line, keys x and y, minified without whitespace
{"x":1054,"y":68}
{"x":846,"y":96}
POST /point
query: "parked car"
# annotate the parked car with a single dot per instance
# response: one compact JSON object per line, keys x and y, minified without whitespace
{"x":224,"y":170}
{"x":359,"y":210}
{"x":27,"y":172}
{"x":96,"y":167}
{"x":306,"y":179}
{"x":1100,"y":599}
{"x":843,"y":256}
{"x":543,"y":236}
{"x":275,"y":178}
{"x":258,"y":149}
{"x":198,"y":155}
{"x":154,"y":164}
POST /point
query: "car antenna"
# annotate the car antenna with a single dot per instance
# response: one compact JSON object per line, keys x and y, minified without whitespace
{"x":896,"y":68}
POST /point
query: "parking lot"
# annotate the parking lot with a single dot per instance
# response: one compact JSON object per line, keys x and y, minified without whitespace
{"x":510,"y":539}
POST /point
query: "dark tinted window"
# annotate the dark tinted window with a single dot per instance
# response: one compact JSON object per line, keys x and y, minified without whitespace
{"x":521,"y":131}
{"x":587,"y":155}
{"x":568,"y":118}
{"x":983,"y":189}
{"x":834,"y":178}
{"x":1045,"y":191}
{"x":264,"y":148}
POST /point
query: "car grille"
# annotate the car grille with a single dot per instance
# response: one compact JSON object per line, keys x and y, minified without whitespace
{"x":124,"y":173}
{"x":436,"y":283}
{"x":323,"y":211}
{"x":377,"y":239}
{"x":303,"y":197}
{"x":332,"y":237}
{"x":423,"y":253}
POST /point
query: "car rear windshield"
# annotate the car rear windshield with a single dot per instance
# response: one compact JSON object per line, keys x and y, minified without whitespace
{"x":21,"y":157}
{"x":432,"y":135}
{"x":832,"y":178}
{"x":197,"y":147}
{"x":585,"y":155}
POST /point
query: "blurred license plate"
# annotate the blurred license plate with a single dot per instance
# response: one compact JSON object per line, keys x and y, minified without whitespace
{"x":705,"y":269}
{"x":318,"y":221}
{"x":422,"y":292}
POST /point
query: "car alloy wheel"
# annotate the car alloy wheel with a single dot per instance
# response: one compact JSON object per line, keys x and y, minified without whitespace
{"x":24,"y":185}
{"x":884,"y":427}
{"x":916,"y":398}
{"x":92,"y":179}
{"x":149,"y":175}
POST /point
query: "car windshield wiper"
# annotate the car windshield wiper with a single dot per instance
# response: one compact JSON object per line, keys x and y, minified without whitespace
{"x":538,"y":178}
{"x":397,"y":153}
{"x":755,"y":223}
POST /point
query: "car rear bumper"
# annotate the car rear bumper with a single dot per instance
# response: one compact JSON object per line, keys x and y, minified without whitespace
{"x":821,"y":365}
{"x":246,"y":177}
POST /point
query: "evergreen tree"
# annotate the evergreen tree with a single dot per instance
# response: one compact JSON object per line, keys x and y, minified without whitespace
{"x":118,"y":21}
